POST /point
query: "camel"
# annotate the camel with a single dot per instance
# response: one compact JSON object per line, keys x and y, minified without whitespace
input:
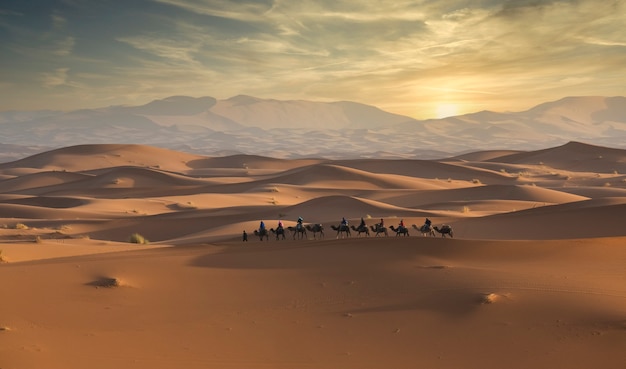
{"x":278,"y":232}
{"x":262,"y":233}
{"x":316,"y":228}
{"x":299,"y":231}
{"x":400,"y":231}
{"x":361,"y":229}
{"x":341,"y":229}
{"x":445,"y":230}
{"x":425,"y":229}
{"x":378,"y":230}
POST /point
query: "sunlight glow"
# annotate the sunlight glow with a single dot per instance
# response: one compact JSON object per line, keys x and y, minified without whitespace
{"x":446,"y":110}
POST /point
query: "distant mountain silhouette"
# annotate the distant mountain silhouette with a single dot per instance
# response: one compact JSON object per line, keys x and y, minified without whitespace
{"x":298,"y":128}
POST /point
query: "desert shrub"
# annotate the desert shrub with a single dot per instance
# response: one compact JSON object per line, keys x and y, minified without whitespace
{"x":38,"y":239}
{"x":2,"y":260}
{"x":466,"y":209}
{"x":137,"y":238}
{"x":476,"y":181}
{"x":21,"y":226}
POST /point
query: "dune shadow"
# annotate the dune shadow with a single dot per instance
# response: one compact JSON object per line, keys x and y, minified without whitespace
{"x":107,"y":282}
{"x":454,"y":302}
{"x":47,"y":202}
{"x":243,"y":260}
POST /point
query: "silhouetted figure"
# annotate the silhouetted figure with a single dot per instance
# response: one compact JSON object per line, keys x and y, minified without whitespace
{"x":299,"y":223}
{"x":245,"y":236}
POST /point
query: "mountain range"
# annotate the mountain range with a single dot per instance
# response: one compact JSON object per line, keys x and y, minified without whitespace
{"x":297,"y":128}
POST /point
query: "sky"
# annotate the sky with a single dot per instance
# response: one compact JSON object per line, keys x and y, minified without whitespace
{"x":424,"y":59}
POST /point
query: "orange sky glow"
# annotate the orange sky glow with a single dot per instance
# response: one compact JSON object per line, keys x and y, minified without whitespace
{"x":424,"y":59}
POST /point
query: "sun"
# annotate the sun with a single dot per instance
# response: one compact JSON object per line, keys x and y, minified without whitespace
{"x":446,"y":110}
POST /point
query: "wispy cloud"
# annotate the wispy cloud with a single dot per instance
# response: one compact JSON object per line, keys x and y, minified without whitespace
{"x":56,"y":78}
{"x":403,"y":53}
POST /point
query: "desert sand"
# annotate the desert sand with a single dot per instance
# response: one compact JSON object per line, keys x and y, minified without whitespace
{"x":534,"y":277}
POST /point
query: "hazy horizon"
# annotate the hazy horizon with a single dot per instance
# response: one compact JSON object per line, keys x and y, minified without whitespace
{"x":422,"y":59}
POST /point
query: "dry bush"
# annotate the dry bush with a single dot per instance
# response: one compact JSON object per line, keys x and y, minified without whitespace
{"x":137,"y":238}
{"x":489,"y":298}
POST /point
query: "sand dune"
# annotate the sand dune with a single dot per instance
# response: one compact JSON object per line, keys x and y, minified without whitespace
{"x":36,"y":180}
{"x":105,"y":156}
{"x":532,"y":278}
{"x":574,"y":156}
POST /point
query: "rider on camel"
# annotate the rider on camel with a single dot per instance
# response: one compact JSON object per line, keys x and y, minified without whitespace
{"x":362,"y":225}
{"x":262,"y":226}
{"x":299,"y":225}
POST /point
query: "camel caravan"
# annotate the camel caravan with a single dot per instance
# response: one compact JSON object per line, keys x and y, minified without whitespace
{"x":343,"y":230}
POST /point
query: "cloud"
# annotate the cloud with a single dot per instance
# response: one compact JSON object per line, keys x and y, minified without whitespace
{"x":244,"y":11}
{"x":58,"y":77}
{"x":384,"y":53}
{"x":65,"y":46}
{"x":58,"y":21}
